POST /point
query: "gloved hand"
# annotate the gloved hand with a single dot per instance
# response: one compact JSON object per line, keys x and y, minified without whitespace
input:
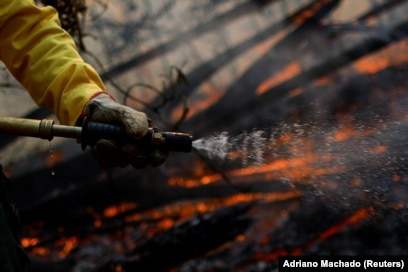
{"x":102,"y":108}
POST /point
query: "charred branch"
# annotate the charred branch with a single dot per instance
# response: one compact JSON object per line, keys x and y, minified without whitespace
{"x":188,"y":240}
{"x":99,"y":195}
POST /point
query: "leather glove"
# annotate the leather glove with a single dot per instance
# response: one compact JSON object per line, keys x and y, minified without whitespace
{"x":102,"y":108}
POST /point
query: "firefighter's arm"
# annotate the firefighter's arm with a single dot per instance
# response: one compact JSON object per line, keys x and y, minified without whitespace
{"x":43,"y":57}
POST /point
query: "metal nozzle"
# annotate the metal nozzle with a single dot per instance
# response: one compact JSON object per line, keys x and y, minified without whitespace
{"x":176,"y":141}
{"x":172,"y":141}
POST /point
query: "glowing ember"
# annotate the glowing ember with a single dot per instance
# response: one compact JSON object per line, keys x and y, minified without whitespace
{"x":284,"y":74}
{"x":114,"y":210}
{"x":355,"y":218}
{"x":68,"y":245}
{"x":29,"y":242}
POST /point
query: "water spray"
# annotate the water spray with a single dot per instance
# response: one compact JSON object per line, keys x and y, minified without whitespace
{"x":91,"y":132}
{"x":247,"y":148}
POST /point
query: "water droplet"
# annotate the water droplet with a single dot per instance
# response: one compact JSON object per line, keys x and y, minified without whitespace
{"x":51,"y":154}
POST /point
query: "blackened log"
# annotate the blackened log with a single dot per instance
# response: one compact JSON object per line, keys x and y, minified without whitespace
{"x":37,"y":265}
{"x":386,"y":234}
{"x":184,"y":242}
{"x":76,"y":219}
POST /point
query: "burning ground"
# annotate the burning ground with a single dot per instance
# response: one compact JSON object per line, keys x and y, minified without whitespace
{"x":316,"y":116}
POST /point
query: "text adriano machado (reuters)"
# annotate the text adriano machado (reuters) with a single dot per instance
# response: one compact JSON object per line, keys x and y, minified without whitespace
{"x":343,"y":263}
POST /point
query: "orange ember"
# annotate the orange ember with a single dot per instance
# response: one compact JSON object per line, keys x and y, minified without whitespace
{"x":114,"y":210}
{"x":378,"y":61}
{"x":323,"y":81}
{"x":54,"y":157}
{"x":297,"y":168}
{"x":29,"y":242}
{"x":355,"y":218}
{"x":347,"y":131}
{"x":175,"y":213}
{"x":166,"y":223}
{"x":209,"y":94}
{"x":379,"y":149}
{"x":307,"y":14}
{"x":68,"y":245}
{"x":286,"y":138}
{"x":371,"y":65}
{"x":40,"y":251}
{"x":356,"y":181}
{"x":343,"y":134}
{"x":396,"y":178}
{"x":296,"y":92}
{"x":291,"y":70}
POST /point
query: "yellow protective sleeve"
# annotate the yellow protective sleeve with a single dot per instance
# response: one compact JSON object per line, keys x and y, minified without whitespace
{"x":44,"y":59}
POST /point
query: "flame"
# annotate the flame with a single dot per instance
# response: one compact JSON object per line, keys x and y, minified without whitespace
{"x":373,"y":63}
{"x":354,"y":219}
{"x":68,"y":244}
{"x":264,"y":197}
{"x":344,"y":134}
{"x":96,"y":215}
{"x":64,"y":246}
{"x":347,"y":130}
{"x":379,"y":149}
{"x":323,"y":81}
{"x":40,"y":251}
{"x":114,"y":210}
{"x":356,"y":181}
{"x":166,"y":223}
{"x":291,"y":70}
{"x":396,"y":178}
{"x":293,"y":168}
{"x":54,"y":157}
{"x":307,"y":14}
{"x":207,"y":94}
{"x":172,"y":214}
{"x":118,"y":268}
{"x":296,"y":92}
{"x":29,"y":241}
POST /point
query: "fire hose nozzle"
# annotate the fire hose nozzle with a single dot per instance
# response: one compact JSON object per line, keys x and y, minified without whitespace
{"x":91,"y":132}
{"x":172,"y":141}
